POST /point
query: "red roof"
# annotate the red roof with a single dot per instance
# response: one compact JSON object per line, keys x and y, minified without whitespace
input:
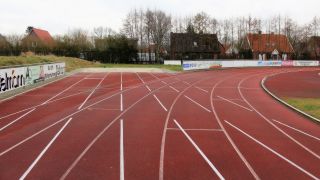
{"x":269,"y":42}
{"x":43,"y":35}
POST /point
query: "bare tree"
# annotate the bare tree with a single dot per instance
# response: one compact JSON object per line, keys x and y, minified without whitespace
{"x":160,"y":27}
{"x":201,"y":22}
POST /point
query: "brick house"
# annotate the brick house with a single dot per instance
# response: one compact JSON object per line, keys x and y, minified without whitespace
{"x":37,"y":39}
{"x":194,"y":46}
{"x":268,"y":46}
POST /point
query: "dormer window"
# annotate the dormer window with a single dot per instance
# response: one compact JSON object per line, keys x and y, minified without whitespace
{"x":195,"y":44}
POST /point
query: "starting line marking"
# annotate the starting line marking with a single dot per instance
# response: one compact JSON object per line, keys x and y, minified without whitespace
{"x":4,"y":127}
{"x":177,"y":129}
{"x":160,"y":102}
{"x":186,"y":83}
{"x":104,"y":109}
{"x":43,"y":151}
{"x":174,"y":89}
{"x":92,"y":92}
{"x":200,"y":151}
{"x":234,"y":103}
{"x":302,"y":132}
{"x":273,"y":151}
{"x":201,"y":89}
{"x":197,"y":103}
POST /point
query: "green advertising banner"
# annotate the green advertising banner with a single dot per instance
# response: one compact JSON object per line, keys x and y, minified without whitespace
{"x":34,"y":75}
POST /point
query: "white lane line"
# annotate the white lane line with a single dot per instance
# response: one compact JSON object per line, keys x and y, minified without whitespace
{"x":92,"y":78}
{"x":164,"y":82}
{"x":140,"y":78}
{"x":121,"y":82}
{"x":88,"y":97}
{"x":197,"y":103}
{"x":148,"y":88}
{"x":121,"y":96}
{"x":103,"y":109}
{"x":121,"y":102}
{"x":143,"y":82}
{"x":43,"y":151}
{"x":300,"y":131}
{"x":61,"y":120}
{"x":63,"y":91}
{"x":4,"y":127}
{"x":186,"y":83}
{"x":200,"y":151}
{"x":177,"y":129}
{"x":121,"y":151}
{"x":174,"y":89}
{"x":234,"y":103}
{"x":8,"y":115}
{"x":201,"y":89}
{"x":273,"y":151}
{"x":160,"y":102}
{"x":274,"y":125}
{"x":157,"y":78}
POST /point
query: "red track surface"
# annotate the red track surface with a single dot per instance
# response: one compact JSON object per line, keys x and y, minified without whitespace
{"x":201,"y":125}
{"x":304,"y":84}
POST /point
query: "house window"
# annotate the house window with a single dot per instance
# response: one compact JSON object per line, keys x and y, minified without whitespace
{"x":195,"y":44}
{"x":34,"y":44}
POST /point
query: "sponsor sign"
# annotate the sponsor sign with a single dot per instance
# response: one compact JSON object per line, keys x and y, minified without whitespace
{"x":269,"y":63}
{"x":172,"y":62}
{"x":13,"y":78}
{"x":194,"y":65}
{"x":306,"y":63}
{"x":287,"y":63}
{"x":52,"y":70}
{"x":33,"y":75}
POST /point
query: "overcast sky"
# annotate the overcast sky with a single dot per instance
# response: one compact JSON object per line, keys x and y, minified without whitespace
{"x":59,"y":16}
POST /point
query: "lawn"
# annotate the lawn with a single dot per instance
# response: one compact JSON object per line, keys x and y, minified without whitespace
{"x":308,"y":105}
{"x":75,"y":63}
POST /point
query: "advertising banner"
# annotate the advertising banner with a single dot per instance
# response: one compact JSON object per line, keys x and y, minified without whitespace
{"x":287,"y":63}
{"x":195,"y":65}
{"x":306,"y":63}
{"x":33,"y":75}
{"x":13,"y":78}
{"x":172,"y":62}
{"x":269,"y":63}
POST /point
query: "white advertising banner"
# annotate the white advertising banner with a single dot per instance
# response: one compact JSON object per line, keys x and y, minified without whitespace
{"x":305,"y":63}
{"x":172,"y":62}
{"x":195,"y":65}
{"x":12,"y":78}
{"x":16,"y":77}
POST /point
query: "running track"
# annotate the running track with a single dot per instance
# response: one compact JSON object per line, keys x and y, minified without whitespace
{"x":201,"y":125}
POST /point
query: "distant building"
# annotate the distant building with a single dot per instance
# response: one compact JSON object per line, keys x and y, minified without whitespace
{"x":268,"y":46}
{"x":194,"y":46}
{"x":37,"y":39}
{"x":231,"y":51}
{"x":147,"y":54}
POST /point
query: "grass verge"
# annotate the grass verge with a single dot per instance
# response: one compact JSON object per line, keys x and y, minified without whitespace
{"x":75,"y":63}
{"x":308,"y":105}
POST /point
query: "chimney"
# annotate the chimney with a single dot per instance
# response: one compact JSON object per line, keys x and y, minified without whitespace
{"x":260,"y":32}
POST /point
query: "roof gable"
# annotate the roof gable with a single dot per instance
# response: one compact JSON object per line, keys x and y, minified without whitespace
{"x":269,"y":42}
{"x":43,"y":36}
